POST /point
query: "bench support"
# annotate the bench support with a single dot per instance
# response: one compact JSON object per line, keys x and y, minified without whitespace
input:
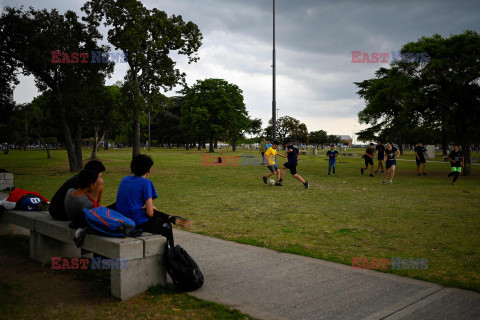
{"x":43,"y":248}
{"x":137,"y":276}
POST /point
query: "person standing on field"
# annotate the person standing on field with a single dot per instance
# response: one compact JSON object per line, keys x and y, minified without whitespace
{"x":332,"y":158}
{"x":392,"y":153}
{"x":380,"y":149}
{"x":263,"y":150}
{"x":369,"y":154}
{"x":420,"y":158}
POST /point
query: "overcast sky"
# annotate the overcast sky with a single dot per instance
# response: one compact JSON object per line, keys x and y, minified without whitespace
{"x":314,"y":40}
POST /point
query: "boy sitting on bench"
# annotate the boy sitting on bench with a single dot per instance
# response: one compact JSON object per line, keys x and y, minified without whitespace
{"x":135,"y":197}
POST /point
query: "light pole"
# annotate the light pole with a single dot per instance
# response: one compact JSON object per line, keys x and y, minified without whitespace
{"x":274,"y":102}
{"x":148,"y":130}
{"x":277,"y":113}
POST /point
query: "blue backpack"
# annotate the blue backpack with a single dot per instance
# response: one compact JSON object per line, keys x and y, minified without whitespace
{"x":109,"y":222}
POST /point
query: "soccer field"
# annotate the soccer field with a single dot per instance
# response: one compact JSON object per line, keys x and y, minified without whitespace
{"x":340,"y":217}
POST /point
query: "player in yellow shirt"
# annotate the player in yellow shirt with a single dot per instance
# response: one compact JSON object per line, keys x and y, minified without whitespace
{"x":270,"y":156}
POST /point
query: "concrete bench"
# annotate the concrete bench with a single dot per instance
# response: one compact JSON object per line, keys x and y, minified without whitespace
{"x":6,"y":180}
{"x":143,"y":256}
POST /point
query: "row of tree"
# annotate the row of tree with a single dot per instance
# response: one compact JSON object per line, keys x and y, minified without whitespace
{"x":147,"y":37}
{"x":434,"y":99}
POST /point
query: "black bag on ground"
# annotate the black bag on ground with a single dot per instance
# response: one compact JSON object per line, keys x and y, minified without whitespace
{"x":183,"y":270}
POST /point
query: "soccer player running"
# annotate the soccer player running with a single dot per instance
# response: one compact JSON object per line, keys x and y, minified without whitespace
{"x":332,"y":158}
{"x":369,"y":153}
{"x":270,"y":156}
{"x":391,"y":162}
{"x":380,"y":149}
{"x":291,"y":164}
{"x":457,"y":162}
{"x":420,"y":158}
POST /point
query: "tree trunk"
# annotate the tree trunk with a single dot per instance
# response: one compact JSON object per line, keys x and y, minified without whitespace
{"x":105,"y":142}
{"x":46,"y":146}
{"x":136,"y":135}
{"x":444,"y":142}
{"x":215,"y":144}
{"x":48,"y":151}
{"x":72,"y":158}
{"x":234,"y":145}
{"x":211,"y":145}
{"x":95,"y":145}
{"x":199,"y":145}
{"x":78,"y":146}
{"x":187,"y":146}
{"x":465,"y":144}
{"x":399,"y":141}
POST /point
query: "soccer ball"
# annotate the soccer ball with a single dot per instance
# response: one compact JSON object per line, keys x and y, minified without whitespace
{"x":271,"y":182}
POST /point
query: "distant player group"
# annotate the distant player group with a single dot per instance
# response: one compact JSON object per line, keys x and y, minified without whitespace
{"x":387,"y":154}
{"x":391,"y":153}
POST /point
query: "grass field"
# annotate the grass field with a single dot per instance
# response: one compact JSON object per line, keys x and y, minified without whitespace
{"x":341,"y":216}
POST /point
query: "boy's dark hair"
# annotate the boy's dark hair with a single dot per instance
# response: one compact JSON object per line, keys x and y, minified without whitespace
{"x":95,"y":166}
{"x":86,"y":178}
{"x":141,"y":164}
{"x":276,"y":142}
{"x":371,"y":144}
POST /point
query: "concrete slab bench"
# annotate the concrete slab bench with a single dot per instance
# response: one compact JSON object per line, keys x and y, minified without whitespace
{"x":143,"y":256}
{"x":6,"y":180}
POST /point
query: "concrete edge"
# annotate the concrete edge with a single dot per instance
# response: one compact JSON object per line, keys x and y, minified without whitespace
{"x":209,"y":296}
{"x":180,"y":234}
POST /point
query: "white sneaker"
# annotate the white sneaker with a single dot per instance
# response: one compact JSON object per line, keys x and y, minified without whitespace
{"x":384,"y":181}
{"x":390,"y":182}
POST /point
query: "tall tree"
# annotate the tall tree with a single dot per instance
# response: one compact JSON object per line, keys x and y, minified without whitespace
{"x":386,"y":108}
{"x":288,"y":128}
{"x":318,"y":138}
{"x":214,"y":107}
{"x":30,"y":37}
{"x":452,"y":75}
{"x":148,"y":37}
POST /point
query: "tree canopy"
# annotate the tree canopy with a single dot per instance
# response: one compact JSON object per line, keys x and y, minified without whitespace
{"x":441,"y":94}
{"x":213,"y":108}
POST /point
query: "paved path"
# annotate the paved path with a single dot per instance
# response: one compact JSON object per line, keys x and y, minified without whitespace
{"x":270,"y":285}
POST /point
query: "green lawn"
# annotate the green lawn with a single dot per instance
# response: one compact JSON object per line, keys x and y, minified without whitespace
{"x":341,"y":216}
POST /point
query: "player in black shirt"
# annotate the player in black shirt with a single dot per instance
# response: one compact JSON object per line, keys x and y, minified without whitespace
{"x":369,"y":153}
{"x":420,"y":158}
{"x":457,"y":162}
{"x":391,"y":152}
{"x":291,"y":164}
{"x":380,"y":149}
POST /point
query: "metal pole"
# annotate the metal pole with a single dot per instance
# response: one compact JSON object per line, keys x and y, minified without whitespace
{"x":274,"y":102}
{"x":277,"y":113}
{"x":148,"y":130}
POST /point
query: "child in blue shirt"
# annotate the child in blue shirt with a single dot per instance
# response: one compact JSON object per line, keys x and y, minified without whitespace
{"x":135,"y":197}
{"x":332,"y":158}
